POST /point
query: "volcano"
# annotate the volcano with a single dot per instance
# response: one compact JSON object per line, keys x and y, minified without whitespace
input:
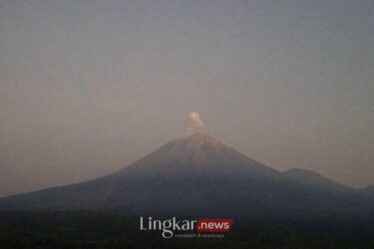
{"x":198,"y":174}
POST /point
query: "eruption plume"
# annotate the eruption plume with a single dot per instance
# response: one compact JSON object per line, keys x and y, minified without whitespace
{"x":196,"y":120}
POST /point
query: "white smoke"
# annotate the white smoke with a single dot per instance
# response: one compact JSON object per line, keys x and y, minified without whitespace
{"x":196,"y":120}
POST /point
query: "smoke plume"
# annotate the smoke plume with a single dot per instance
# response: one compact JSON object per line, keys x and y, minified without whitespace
{"x":196,"y":120}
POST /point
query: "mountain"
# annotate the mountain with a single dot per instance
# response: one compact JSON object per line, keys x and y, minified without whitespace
{"x":369,"y":192}
{"x":198,"y":175}
{"x":370,"y":189}
{"x":316,"y":180}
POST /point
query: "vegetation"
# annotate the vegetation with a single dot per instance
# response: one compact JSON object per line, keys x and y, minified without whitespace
{"x":80,"y":230}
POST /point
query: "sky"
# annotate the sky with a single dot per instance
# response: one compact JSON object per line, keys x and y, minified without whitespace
{"x":87,"y":87}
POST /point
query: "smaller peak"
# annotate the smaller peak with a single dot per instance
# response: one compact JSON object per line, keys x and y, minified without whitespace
{"x":370,"y":188}
{"x":314,"y":178}
{"x":300,"y":171}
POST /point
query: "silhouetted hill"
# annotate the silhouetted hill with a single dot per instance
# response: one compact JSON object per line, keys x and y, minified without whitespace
{"x":314,"y":179}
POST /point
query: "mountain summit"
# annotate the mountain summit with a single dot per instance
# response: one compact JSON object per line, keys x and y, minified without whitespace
{"x":198,"y":175}
{"x":198,"y":154}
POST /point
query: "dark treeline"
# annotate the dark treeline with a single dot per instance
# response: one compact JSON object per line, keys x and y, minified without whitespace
{"x":80,"y":230}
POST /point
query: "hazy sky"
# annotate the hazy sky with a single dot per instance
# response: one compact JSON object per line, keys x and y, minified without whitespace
{"x":87,"y":87}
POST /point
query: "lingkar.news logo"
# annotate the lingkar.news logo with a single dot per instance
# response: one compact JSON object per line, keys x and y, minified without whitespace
{"x":169,"y":226}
